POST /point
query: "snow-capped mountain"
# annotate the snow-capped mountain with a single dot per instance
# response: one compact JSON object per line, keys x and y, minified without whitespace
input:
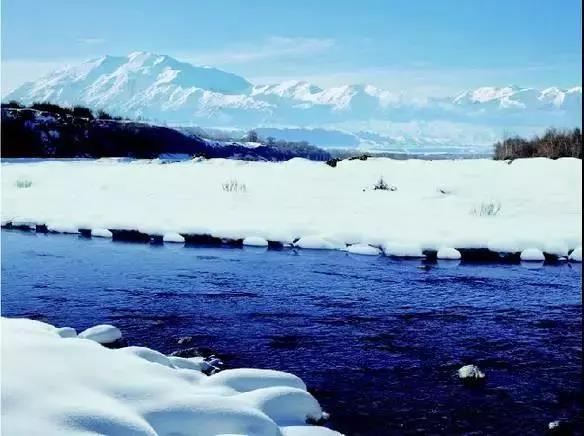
{"x":161,"y":88}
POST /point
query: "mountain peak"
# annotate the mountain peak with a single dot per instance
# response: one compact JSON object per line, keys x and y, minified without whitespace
{"x":160,"y":87}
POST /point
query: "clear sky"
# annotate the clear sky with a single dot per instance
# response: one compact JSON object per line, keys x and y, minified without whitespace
{"x":422,"y":47}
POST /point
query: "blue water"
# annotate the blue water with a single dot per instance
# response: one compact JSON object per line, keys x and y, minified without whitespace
{"x":377,"y":340}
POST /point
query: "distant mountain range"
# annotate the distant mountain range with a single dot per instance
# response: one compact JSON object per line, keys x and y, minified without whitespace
{"x":162,"y":89}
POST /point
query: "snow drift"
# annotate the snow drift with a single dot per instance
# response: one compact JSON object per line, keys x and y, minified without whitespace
{"x":55,"y":386}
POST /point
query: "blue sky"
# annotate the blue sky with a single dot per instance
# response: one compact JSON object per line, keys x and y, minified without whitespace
{"x":419,"y":47}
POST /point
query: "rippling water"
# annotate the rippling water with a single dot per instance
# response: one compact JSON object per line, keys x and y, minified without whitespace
{"x":377,"y":340}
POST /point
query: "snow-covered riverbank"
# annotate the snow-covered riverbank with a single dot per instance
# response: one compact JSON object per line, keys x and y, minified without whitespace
{"x":429,"y":205}
{"x":77,"y":386}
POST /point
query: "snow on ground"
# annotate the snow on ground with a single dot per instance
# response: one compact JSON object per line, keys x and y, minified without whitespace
{"x":76,"y":386}
{"x":510,"y":207}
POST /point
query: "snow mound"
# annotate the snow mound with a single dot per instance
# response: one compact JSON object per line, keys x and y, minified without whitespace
{"x":101,"y":233}
{"x":173,"y":237}
{"x":576,"y":255}
{"x":448,"y":253}
{"x":102,"y":334}
{"x":363,"y":249}
{"x":532,"y":255}
{"x":76,"y":386}
{"x":402,"y":250}
{"x":66,"y":332}
{"x":316,"y":243}
{"x":255,"y":241}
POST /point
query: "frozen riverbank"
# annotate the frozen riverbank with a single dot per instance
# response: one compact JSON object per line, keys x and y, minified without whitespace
{"x":504,"y":207}
{"x":76,"y":386}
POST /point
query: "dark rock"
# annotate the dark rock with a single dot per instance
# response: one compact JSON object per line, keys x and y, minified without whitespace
{"x":120,"y":343}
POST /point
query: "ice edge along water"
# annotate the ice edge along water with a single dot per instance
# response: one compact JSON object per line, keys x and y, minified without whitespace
{"x":90,"y":389}
{"x":531,"y":207}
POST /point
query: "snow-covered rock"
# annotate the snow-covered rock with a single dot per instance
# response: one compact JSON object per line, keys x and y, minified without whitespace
{"x":448,"y":253}
{"x":576,"y":255}
{"x":470,"y":373}
{"x":532,"y":255}
{"x":102,"y":334}
{"x":363,"y":249}
{"x":75,"y":386}
{"x":173,"y":237}
{"x":66,"y":332}
{"x":255,"y":241}
{"x":101,"y":233}
{"x":316,"y":243}
{"x":397,"y":249}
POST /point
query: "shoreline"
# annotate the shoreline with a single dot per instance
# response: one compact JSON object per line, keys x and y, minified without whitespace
{"x":467,"y":255}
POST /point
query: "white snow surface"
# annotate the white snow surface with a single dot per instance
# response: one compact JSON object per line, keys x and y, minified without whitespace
{"x":311,"y":203}
{"x":57,"y":386}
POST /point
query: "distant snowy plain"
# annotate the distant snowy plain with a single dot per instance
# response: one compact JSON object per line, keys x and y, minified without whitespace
{"x":532,"y":204}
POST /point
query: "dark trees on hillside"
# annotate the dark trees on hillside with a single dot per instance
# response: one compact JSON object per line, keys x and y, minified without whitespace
{"x":553,"y":144}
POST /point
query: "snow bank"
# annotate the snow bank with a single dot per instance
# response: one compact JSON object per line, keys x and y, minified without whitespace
{"x":311,"y":203}
{"x":58,"y":386}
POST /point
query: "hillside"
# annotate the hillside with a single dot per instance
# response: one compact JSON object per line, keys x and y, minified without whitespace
{"x":52,"y":131}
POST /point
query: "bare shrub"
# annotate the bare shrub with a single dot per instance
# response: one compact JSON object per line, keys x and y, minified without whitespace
{"x":489,"y":208}
{"x":233,"y":186}
{"x":381,"y":185}
{"x":23,"y":183}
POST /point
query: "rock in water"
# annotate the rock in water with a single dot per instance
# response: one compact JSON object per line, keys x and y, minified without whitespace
{"x":471,"y":373}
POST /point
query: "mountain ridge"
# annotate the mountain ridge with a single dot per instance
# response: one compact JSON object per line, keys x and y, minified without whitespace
{"x":158,"y":87}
